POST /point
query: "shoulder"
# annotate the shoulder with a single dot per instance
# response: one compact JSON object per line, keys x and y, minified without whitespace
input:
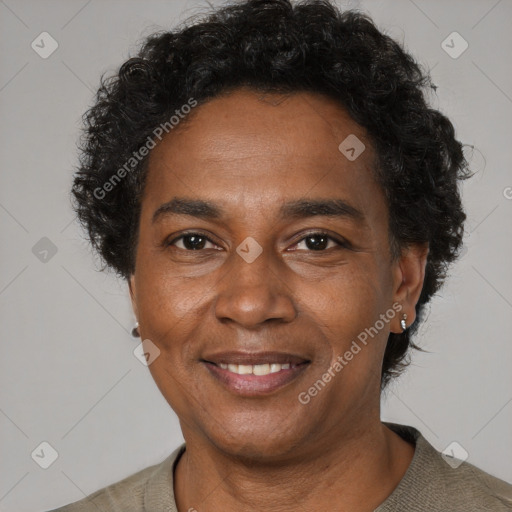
{"x":468,"y":487}
{"x":436,"y":482}
{"x":129,"y":494}
{"x":490,"y":489}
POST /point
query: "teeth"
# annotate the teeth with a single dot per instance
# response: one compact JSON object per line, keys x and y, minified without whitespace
{"x":244,"y":369}
{"x":261,"y":369}
{"x":255,"y":369}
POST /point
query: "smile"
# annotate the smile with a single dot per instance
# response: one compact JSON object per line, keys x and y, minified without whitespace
{"x":255,"y":374}
{"x":255,"y":369}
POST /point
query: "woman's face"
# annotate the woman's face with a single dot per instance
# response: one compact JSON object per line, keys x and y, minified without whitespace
{"x":263,"y":281}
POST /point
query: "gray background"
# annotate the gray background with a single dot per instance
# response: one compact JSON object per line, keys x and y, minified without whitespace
{"x":68,"y":374}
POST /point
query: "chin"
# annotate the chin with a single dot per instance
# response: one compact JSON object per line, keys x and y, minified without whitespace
{"x":258,"y":451}
{"x":257,"y":440}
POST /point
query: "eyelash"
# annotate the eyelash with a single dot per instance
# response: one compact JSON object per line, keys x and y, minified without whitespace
{"x":341,"y":243}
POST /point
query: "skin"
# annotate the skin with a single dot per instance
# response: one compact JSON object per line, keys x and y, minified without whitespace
{"x":251,"y":153}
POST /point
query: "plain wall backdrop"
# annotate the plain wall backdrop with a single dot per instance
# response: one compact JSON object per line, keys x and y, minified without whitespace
{"x":68,"y":374}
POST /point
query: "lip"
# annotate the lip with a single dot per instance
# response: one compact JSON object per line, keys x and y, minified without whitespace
{"x":255,"y":385}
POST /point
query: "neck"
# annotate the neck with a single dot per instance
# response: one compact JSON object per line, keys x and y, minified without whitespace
{"x":357,"y":472}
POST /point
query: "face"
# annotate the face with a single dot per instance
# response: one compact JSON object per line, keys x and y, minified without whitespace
{"x":261,"y":245}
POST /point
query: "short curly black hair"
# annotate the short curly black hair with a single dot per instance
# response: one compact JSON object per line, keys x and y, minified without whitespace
{"x":277,"y":46}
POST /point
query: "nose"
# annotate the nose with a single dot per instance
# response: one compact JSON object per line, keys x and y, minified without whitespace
{"x":250,"y":294}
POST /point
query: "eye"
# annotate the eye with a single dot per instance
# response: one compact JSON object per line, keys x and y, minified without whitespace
{"x":319,"y":242}
{"x":191,"y":241}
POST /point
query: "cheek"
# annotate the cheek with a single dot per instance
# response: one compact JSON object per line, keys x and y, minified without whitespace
{"x":347,"y":299}
{"x":178,"y":386}
{"x":167,"y":295}
{"x":346,"y":308}
{"x":173,"y":315}
{"x":171,"y":310}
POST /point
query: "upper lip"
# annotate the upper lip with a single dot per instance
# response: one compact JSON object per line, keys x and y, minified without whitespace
{"x":252,"y":358}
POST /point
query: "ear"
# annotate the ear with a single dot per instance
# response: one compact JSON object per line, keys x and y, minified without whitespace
{"x":133,"y":294}
{"x":408,"y":277}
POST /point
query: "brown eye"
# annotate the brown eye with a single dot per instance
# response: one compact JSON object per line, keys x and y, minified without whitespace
{"x":318,"y":242}
{"x":191,"y":241}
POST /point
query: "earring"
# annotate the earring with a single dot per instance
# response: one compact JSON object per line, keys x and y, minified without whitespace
{"x":403,"y":324}
{"x":135,"y":330}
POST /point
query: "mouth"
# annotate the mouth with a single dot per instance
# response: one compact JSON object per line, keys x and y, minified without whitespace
{"x":253,"y":374}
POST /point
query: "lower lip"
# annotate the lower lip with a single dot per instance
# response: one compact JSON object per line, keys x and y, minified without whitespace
{"x":253,"y":385}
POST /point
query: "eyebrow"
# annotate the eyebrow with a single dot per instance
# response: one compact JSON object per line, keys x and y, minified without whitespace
{"x":298,"y":209}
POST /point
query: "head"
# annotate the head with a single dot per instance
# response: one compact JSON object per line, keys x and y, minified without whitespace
{"x":248,"y":119}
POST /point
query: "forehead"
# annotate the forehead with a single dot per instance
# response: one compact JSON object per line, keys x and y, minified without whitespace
{"x":254,"y":148}
{"x":309,"y":123}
